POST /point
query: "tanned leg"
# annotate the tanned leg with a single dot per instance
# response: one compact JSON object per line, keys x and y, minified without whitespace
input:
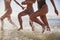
{"x":20,"y":19}
{"x":2,"y":23}
{"x":40,"y":12}
{"x":34,"y":19}
{"x":31,"y":24}
{"x":44,"y":19}
{"x":10,"y":20}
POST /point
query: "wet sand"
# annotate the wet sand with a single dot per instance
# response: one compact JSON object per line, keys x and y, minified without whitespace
{"x":27,"y":34}
{"x":10,"y":32}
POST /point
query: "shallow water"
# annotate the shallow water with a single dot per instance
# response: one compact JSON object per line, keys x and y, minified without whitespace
{"x":10,"y":32}
{"x":28,"y":35}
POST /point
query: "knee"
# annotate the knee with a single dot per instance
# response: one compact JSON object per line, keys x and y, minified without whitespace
{"x":31,"y":16}
{"x":19,"y":15}
{"x":1,"y":19}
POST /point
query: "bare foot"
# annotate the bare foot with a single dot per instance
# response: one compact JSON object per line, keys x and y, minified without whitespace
{"x":15,"y":25}
{"x":32,"y":28}
{"x":43,"y":28}
{"x":20,"y":29}
{"x":48,"y":29}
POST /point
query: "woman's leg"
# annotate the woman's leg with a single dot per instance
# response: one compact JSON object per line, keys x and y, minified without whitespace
{"x":2,"y":23}
{"x":2,"y":20}
{"x":44,"y":19}
{"x":35,"y":19}
{"x":40,"y":12}
{"x":31,"y":24}
{"x":10,"y":21}
{"x":20,"y":19}
{"x":9,"y":11}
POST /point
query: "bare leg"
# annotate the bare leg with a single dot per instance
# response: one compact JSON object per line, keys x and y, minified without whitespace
{"x":20,"y":19}
{"x":2,"y":23}
{"x":31,"y":24}
{"x":7,"y":14}
{"x":38,"y":21}
{"x":9,"y":19}
{"x":44,"y":19}
{"x":20,"y":22}
{"x":40,"y":12}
